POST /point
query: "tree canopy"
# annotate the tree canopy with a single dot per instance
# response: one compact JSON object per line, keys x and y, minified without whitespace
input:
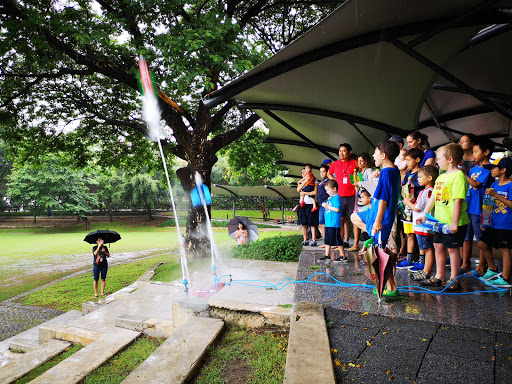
{"x":68,"y":73}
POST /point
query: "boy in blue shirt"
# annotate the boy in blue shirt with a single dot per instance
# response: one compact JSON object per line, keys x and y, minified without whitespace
{"x":479,"y":179}
{"x":414,"y":157}
{"x":332,"y":222}
{"x":378,"y":220}
{"x":499,"y":233}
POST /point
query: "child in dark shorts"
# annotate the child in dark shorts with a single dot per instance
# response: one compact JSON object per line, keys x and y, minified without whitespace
{"x":332,"y":222}
{"x":499,"y":233}
{"x":449,"y":198}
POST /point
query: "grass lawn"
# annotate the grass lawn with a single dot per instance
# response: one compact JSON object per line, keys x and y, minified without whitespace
{"x":246,"y":356}
{"x":119,"y":366}
{"x":33,"y":257}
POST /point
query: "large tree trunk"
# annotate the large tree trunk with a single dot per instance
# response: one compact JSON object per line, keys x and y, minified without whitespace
{"x":197,"y":242}
{"x":86,"y":221}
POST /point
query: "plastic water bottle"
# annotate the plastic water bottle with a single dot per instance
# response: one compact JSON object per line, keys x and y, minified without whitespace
{"x":487,"y":206}
{"x":442,"y":228}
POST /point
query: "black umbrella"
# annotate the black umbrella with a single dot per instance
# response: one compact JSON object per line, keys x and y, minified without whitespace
{"x":252,"y":229}
{"x":105,"y":234}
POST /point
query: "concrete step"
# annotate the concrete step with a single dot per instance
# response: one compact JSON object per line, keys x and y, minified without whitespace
{"x":309,"y":354}
{"x":32,"y":334}
{"x":75,"y":335}
{"x":151,"y":326}
{"x":249,"y":315}
{"x":76,"y":367}
{"x":178,"y":358}
{"x":26,"y":362}
{"x":24,"y":345}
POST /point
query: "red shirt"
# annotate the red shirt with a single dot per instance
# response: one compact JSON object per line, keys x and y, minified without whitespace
{"x":342,"y":171}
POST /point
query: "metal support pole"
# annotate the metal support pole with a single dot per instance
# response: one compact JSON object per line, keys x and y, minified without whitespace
{"x":455,"y":80}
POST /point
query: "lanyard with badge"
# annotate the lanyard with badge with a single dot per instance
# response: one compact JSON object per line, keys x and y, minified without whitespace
{"x":345,"y":178}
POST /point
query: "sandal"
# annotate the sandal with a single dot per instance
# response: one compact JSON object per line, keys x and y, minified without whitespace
{"x":95,"y":296}
{"x":452,"y":285}
{"x":432,"y":281}
{"x":418,"y":275}
{"x":353,"y":249}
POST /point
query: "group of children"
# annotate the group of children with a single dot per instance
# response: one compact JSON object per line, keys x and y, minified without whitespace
{"x":457,"y":198}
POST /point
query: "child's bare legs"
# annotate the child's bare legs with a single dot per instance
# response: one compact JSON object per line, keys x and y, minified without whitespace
{"x":341,"y":248}
{"x":486,"y":254}
{"x":327,"y":250}
{"x":402,"y":242}
{"x":454,"y":262}
{"x":440,"y":260}
{"x":411,"y":239}
{"x":357,"y":235}
{"x":346,"y":226}
{"x":429,"y":260}
{"x":467,"y":249}
{"x":507,"y":263}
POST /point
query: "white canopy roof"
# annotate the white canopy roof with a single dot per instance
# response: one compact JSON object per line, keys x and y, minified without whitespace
{"x":375,"y":68}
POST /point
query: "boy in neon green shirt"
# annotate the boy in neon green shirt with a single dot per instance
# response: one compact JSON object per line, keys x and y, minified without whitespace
{"x":449,"y":197}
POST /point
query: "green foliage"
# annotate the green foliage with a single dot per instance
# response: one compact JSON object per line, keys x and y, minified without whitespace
{"x":49,"y":364}
{"x":277,"y":248}
{"x":251,"y":161}
{"x":172,"y":223}
{"x":119,"y":366}
{"x":262,"y":353}
{"x":51,"y":184}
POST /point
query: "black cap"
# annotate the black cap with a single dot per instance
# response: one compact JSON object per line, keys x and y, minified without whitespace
{"x":504,"y":162}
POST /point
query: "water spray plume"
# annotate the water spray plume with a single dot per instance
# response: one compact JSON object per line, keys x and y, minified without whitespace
{"x":201,"y":196}
{"x":151,"y":114}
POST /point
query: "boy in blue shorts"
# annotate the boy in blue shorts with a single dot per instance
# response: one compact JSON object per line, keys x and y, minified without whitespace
{"x":499,"y":233}
{"x":332,"y":222}
{"x":479,"y":179}
{"x":379,"y":219}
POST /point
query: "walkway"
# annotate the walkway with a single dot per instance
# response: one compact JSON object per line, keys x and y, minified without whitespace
{"x":422,"y":338}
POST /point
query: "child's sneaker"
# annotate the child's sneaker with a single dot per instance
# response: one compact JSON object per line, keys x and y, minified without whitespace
{"x":346,"y":244}
{"x":302,"y":204}
{"x":489,"y":275}
{"x":305,"y":243}
{"x":416,"y":266}
{"x":314,"y":209}
{"x":404,"y":265}
{"x":313,"y":243}
{"x":500,"y":282}
{"x":387,"y":293}
{"x":341,"y":259}
{"x":345,"y":259}
{"x":323,"y":259}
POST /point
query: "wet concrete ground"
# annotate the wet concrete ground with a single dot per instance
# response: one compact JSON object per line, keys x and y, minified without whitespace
{"x":418,"y":337}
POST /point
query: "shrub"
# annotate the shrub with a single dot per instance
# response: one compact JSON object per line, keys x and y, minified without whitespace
{"x":277,"y":248}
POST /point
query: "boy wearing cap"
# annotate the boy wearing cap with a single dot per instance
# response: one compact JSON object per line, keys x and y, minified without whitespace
{"x":499,"y":233}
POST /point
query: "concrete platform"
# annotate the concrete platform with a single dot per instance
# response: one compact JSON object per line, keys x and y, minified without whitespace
{"x":178,"y":358}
